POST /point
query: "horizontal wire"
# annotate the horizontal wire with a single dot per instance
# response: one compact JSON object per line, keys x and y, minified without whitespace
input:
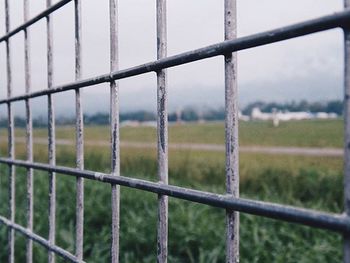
{"x":34,"y":19}
{"x":40,"y":240}
{"x":333,"y":222}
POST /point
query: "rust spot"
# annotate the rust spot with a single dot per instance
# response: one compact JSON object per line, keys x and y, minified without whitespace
{"x":159,"y":251}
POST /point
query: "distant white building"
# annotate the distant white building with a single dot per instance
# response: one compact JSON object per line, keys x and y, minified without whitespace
{"x":243,"y":117}
{"x":277,"y":116}
{"x":325,"y":115}
{"x":288,"y":116}
{"x":258,"y":115}
{"x":129,"y":123}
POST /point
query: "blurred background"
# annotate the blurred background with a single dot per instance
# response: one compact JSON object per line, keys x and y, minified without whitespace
{"x":291,"y":129}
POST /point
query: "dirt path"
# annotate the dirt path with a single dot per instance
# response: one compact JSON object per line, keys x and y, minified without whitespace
{"x":304,"y":151}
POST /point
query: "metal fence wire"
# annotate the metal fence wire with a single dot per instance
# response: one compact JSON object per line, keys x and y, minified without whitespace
{"x":230,"y":201}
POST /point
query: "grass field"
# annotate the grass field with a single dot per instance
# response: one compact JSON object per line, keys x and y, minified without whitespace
{"x":196,"y":232}
{"x":313,"y":133}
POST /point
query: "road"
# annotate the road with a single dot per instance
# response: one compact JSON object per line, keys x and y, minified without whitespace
{"x":277,"y":150}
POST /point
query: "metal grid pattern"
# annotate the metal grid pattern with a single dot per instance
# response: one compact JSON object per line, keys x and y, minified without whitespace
{"x":230,"y":201}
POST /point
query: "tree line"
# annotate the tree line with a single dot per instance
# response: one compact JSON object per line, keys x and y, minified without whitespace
{"x":188,"y":113}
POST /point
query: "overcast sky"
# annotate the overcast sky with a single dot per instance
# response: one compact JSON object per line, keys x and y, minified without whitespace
{"x":304,"y":68}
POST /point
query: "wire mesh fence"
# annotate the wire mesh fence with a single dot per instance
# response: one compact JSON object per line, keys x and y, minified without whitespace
{"x":231,"y":201}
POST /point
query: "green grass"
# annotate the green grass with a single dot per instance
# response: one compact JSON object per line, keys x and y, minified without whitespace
{"x":196,"y":232}
{"x":308,"y":133}
{"x":314,"y":133}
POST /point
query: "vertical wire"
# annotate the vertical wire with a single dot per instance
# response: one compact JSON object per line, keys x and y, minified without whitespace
{"x":346,"y":243}
{"x":231,"y":134}
{"x":114,"y":112}
{"x":51,"y":133}
{"x":79,"y":136}
{"x":11,"y":143}
{"x":29,"y":133}
{"x":162,"y":133}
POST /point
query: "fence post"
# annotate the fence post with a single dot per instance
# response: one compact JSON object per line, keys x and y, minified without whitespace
{"x":11,"y":141}
{"x":51,"y":136}
{"x":231,"y":134}
{"x":114,"y":112}
{"x":79,"y":224}
{"x":346,"y":246}
{"x":29,"y":132}
{"x":162,"y":133}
